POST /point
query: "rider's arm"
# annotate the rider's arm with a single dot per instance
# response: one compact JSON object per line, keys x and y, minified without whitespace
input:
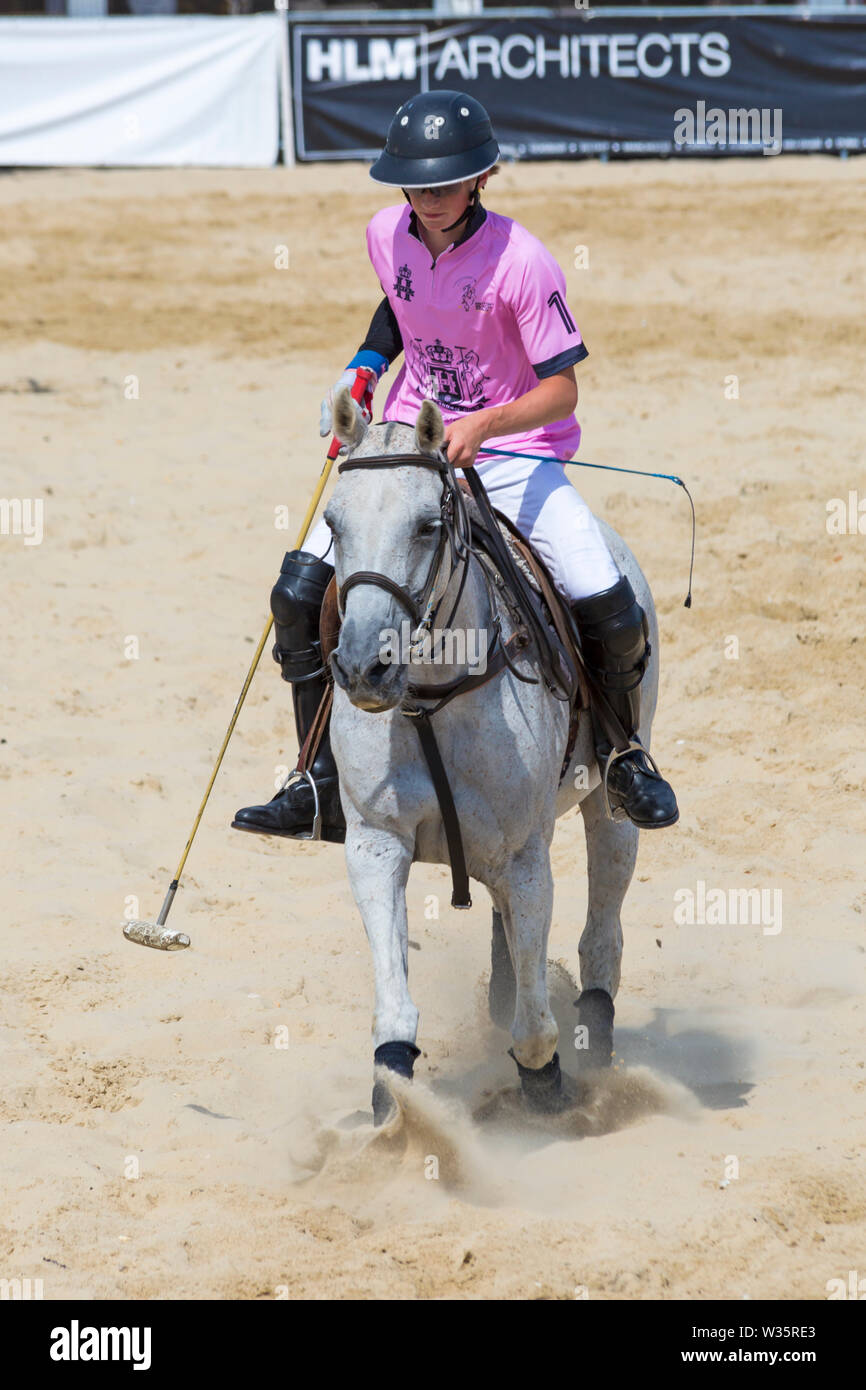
{"x":554,"y":398}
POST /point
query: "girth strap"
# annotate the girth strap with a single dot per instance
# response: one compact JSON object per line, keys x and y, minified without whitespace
{"x":459,"y":877}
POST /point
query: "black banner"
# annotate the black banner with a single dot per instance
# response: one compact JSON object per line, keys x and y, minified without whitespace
{"x":566,"y":87}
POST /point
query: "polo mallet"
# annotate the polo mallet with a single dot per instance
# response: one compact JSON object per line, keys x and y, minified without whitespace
{"x":157,"y":934}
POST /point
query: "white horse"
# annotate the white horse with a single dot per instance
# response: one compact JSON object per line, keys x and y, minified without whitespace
{"x":502,"y":746}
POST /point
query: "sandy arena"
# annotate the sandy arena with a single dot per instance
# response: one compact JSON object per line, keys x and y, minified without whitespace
{"x":259,"y":1174}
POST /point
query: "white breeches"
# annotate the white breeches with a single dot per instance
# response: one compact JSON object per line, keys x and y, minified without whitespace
{"x":548,"y":512}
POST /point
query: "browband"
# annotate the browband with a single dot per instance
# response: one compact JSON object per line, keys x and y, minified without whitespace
{"x":394,"y":461}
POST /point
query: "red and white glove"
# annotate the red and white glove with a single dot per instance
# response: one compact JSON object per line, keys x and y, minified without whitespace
{"x":365,"y":404}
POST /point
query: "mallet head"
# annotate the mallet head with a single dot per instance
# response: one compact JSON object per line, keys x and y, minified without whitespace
{"x":152,"y":934}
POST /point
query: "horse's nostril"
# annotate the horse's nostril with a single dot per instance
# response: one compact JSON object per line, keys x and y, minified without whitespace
{"x":375,"y":674}
{"x":340,"y":676}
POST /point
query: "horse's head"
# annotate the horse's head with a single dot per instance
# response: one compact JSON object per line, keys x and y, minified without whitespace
{"x":389,"y":549}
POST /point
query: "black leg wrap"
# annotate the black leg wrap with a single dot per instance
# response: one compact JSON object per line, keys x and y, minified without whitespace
{"x":296,"y":601}
{"x":595,"y":1013}
{"x":542,"y":1086}
{"x":398,"y":1057}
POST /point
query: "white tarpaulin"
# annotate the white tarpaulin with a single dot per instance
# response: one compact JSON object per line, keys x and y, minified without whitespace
{"x":196,"y":90}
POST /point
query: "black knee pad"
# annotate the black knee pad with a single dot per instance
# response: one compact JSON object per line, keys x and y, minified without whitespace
{"x":296,"y":601}
{"x":614,"y":630}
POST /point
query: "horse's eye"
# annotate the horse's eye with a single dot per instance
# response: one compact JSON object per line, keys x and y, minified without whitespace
{"x":427,"y":528}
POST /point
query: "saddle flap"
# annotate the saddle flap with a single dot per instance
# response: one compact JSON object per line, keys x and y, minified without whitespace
{"x":556,"y":605}
{"x":538,"y":574}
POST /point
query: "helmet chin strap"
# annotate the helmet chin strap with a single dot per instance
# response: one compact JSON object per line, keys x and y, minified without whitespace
{"x":467,"y":211}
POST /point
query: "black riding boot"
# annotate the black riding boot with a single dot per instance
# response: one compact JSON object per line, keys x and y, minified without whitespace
{"x":613,"y":635}
{"x":296,"y":601}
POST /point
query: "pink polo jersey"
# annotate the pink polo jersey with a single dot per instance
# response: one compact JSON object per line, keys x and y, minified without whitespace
{"x":480,"y":326}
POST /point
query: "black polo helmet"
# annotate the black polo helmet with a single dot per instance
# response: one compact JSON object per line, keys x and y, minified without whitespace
{"x":436,"y":138}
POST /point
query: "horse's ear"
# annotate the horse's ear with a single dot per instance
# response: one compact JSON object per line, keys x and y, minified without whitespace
{"x":348,"y":422}
{"x":429,"y":429}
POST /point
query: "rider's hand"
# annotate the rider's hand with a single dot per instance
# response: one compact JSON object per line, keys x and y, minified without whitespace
{"x":366,"y":402}
{"x":464,"y":438}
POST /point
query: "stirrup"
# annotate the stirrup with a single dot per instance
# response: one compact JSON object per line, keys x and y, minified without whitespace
{"x":316,"y":832}
{"x":634,"y":746}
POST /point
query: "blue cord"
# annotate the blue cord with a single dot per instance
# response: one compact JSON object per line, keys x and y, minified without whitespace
{"x":614,"y":468}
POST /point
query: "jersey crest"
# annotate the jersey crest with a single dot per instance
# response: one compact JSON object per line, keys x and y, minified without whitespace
{"x":403,"y":283}
{"x":452,"y":376}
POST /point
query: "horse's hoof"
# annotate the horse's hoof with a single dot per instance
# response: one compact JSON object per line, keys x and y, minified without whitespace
{"x":542,"y":1086}
{"x":502,"y":990}
{"x":398,"y":1057}
{"x":595,"y":1013}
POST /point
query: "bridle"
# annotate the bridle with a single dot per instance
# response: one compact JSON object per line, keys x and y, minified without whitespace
{"x":423,"y":607}
{"x":456,"y":534}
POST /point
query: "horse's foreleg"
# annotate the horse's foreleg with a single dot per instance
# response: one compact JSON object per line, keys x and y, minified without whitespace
{"x":611,"y":850}
{"x":525,"y":895}
{"x":378,"y":864}
{"x":501,"y":991}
